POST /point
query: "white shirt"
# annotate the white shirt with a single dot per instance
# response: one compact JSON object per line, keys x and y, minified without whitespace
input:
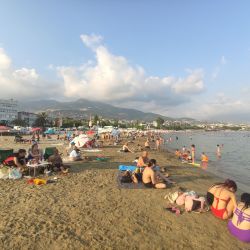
{"x":74,"y":154}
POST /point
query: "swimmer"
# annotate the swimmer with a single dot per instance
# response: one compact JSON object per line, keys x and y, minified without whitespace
{"x":218,"y":151}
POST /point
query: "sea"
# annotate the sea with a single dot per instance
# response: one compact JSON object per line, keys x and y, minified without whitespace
{"x":235,"y":150}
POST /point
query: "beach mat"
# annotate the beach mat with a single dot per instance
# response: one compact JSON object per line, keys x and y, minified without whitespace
{"x":128,"y":185}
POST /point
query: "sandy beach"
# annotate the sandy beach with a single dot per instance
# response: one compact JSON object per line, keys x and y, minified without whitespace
{"x":86,"y":210}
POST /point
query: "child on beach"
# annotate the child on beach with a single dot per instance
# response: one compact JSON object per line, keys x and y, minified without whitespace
{"x":204,"y":160}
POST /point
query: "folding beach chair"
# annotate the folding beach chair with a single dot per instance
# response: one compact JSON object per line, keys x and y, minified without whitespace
{"x":48,"y":152}
{"x":5,"y":153}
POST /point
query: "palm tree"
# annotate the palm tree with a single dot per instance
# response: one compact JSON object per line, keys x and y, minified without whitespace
{"x":41,"y":120}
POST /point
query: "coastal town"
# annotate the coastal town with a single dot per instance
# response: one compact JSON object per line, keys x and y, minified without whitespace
{"x":12,"y":114}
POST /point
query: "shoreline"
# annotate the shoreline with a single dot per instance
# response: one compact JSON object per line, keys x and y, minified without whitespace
{"x":87,"y":210}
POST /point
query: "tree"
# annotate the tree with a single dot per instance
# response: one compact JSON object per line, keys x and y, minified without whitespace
{"x":41,"y":120}
{"x":96,"y":119}
{"x":160,"y":122}
{"x":19,"y":122}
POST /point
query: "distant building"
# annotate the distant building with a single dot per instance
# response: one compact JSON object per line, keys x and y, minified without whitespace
{"x":155,"y":124}
{"x":29,"y":118}
{"x":8,"y":110}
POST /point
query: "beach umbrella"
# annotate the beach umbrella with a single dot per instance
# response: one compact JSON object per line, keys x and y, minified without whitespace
{"x":35,"y":129}
{"x":90,"y":132}
{"x":81,"y":140}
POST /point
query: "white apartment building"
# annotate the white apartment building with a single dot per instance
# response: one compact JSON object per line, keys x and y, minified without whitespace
{"x":8,"y":110}
{"x":29,"y":118}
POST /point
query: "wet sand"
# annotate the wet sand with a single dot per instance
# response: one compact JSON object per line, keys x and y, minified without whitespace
{"x":86,"y":210}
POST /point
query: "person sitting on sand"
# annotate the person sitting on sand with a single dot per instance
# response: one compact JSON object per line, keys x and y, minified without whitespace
{"x":70,"y":148}
{"x":149,"y":177}
{"x":57,"y":162}
{"x":75,"y":154}
{"x":146,"y":145}
{"x":126,"y":149}
{"x":34,"y":153}
{"x":239,"y":226}
{"x":20,"y":161}
{"x":143,"y":160}
{"x":159,"y":175}
{"x":221,"y":197}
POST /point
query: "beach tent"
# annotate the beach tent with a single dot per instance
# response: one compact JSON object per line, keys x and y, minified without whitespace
{"x":50,"y":131}
{"x":81,"y":140}
{"x":4,"y":129}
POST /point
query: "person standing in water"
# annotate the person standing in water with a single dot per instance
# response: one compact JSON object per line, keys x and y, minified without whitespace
{"x":204,"y":160}
{"x":193,"y":153}
{"x":218,"y":152}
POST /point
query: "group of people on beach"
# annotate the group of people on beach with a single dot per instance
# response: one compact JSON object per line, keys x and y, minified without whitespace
{"x":222,"y":200}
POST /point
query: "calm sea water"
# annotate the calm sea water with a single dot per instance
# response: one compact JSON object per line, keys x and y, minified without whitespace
{"x":235,"y":160}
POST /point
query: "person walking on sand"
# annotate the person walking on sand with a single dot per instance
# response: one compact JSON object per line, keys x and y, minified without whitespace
{"x":158,"y":143}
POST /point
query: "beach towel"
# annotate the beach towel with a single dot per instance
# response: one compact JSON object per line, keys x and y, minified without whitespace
{"x":127,"y":168}
{"x":131,"y":185}
{"x":92,"y":150}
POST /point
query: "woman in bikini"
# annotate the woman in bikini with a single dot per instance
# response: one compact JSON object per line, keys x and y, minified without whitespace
{"x":239,"y":226}
{"x":221,"y":198}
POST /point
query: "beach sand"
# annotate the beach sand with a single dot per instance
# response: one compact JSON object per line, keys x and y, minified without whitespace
{"x":86,"y":210}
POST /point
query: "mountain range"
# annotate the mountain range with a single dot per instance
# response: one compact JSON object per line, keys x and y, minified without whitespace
{"x":83,"y":108}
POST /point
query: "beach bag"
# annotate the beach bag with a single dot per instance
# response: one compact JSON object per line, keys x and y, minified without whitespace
{"x":126,"y":177}
{"x":172,"y":197}
{"x":15,"y":174}
{"x":4,"y":173}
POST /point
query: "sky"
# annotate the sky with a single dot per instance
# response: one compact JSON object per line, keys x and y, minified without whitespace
{"x":175,"y":58}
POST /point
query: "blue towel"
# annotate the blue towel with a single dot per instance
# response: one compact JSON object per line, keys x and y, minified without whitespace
{"x":129,"y":168}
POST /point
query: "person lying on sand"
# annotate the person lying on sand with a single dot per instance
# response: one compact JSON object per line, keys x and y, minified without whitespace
{"x":221,"y":198}
{"x":149,"y":177}
{"x":239,"y":226}
{"x":57,"y":162}
{"x":126,"y":149}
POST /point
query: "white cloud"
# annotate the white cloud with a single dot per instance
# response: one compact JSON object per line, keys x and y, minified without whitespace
{"x":5,"y":61}
{"x":23,"y":83}
{"x":113,"y":79}
{"x":92,"y":41}
{"x":223,"y":60}
{"x":217,"y":69}
{"x":25,"y":74}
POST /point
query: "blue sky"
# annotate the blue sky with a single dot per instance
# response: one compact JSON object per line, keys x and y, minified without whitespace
{"x":178,"y":58}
